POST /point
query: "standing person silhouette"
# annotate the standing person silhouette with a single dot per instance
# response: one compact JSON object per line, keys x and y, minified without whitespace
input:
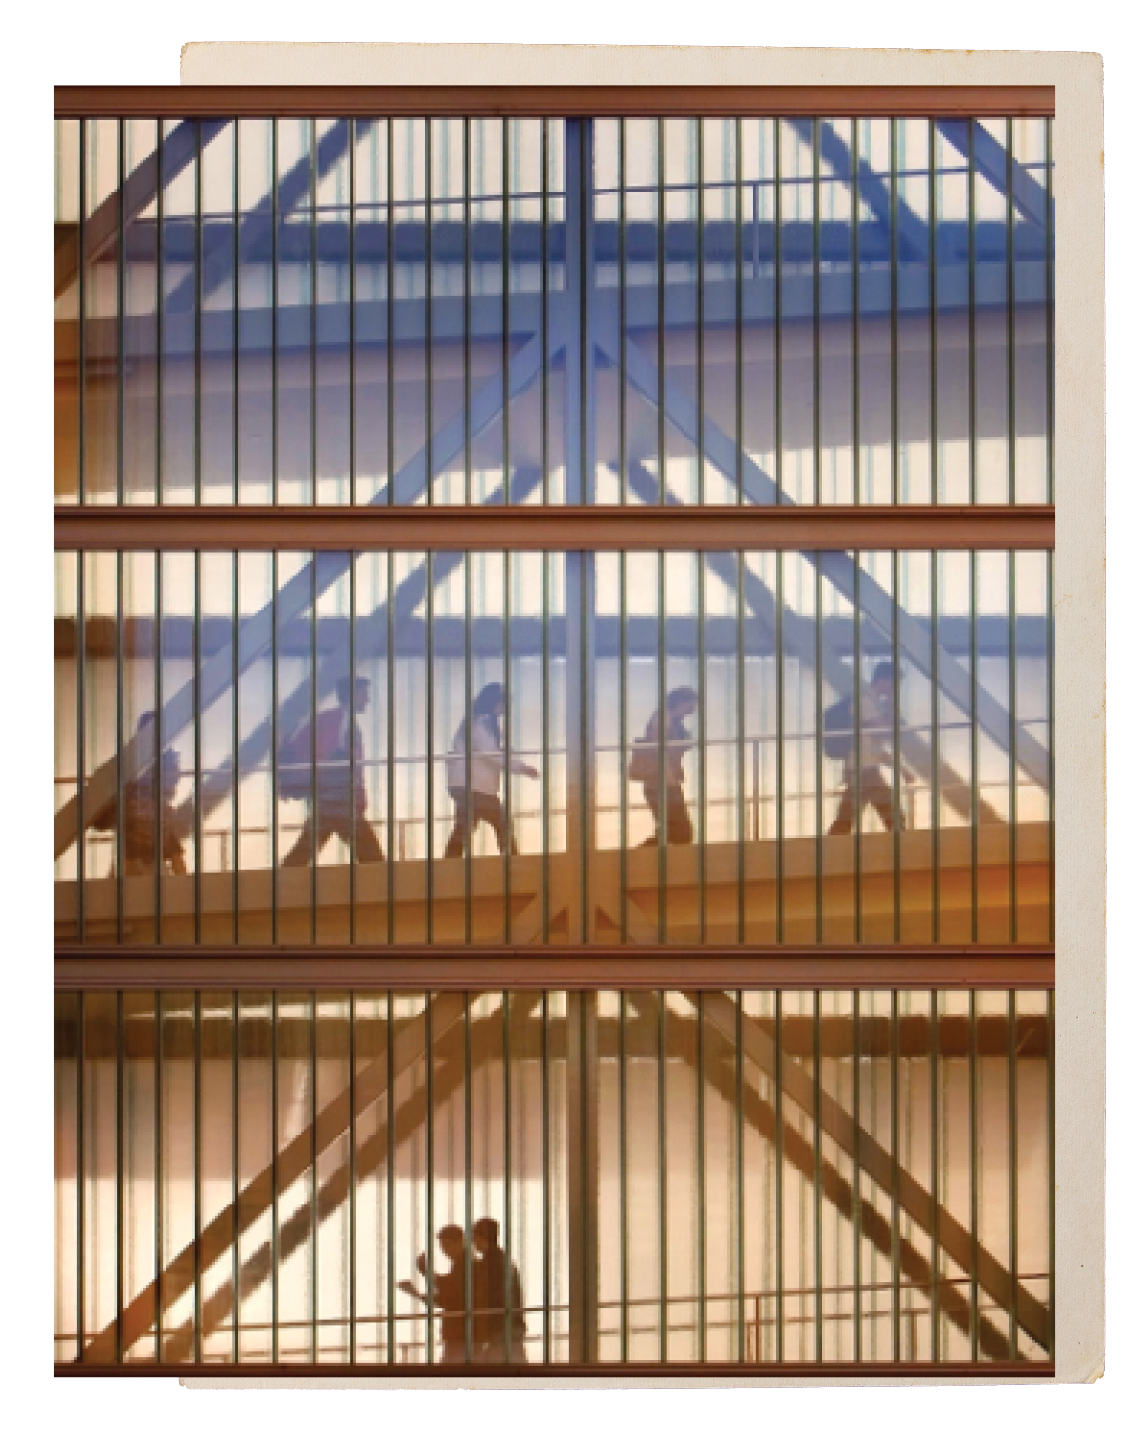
{"x":490,"y":1299}
{"x":446,"y":1292}
{"x":645,"y":767}
{"x":335,"y":808}
{"x":139,"y":810}
{"x":863,"y":781}
{"x":488,"y":763}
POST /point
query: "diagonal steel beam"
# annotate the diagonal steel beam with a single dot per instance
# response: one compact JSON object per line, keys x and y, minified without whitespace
{"x":850,"y":1137}
{"x":255,"y":632}
{"x":914,"y":748}
{"x":1026,"y":193}
{"x":101,"y":227}
{"x":217,"y":1239}
{"x":838,"y":567}
{"x":874,"y":189}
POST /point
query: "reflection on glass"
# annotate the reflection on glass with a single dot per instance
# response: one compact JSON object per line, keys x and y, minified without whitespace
{"x":145,"y":318}
{"x":218,"y":336}
{"x":67,"y":238}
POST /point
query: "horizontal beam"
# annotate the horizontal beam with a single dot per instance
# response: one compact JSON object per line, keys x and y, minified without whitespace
{"x":186,"y":101}
{"x":442,"y":968}
{"x":998,"y":1370}
{"x":505,"y":528}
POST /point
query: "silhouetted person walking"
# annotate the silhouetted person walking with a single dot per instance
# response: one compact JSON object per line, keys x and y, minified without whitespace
{"x":488,"y":763}
{"x":490,"y":1291}
{"x":446,"y":1291}
{"x":337,"y":807}
{"x":863,"y":781}
{"x":645,"y":767}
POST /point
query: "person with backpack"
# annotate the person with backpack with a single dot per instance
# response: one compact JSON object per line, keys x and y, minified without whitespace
{"x":645,"y":767}
{"x":336,"y":807}
{"x":863,"y":780}
{"x":479,"y":788}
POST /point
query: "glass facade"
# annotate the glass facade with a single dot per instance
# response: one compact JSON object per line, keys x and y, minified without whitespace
{"x":768,"y":1177}
{"x":308,"y":735}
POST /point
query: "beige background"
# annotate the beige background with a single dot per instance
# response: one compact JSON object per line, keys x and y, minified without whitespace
{"x":1080,"y":708}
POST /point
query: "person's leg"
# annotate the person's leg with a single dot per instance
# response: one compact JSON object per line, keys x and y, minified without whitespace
{"x":652,"y":801}
{"x":679,"y":823}
{"x":880,"y":795}
{"x":490,"y":810}
{"x":300,"y":853}
{"x":366,"y":846}
{"x":845,"y":813}
{"x":458,"y":836}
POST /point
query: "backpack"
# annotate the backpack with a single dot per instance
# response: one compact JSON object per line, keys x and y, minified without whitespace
{"x":294,"y":767}
{"x":839,"y":733}
{"x":644,"y":763}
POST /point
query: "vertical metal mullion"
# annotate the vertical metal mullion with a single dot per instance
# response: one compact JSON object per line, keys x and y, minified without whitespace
{"x":428,"y":1022}
{"x":933,"y":1067}
{"x":936,"y":794}
{"x":313,"y":236}
{"x":505,"y":223}
{"x":896,"y":1296}
{"x":701,"y":759}
{"x":857,"y":752}
{"x":855,"y":350}
{"x":119,"y":1349}
{"x":80,"y":1221}
{"x":742,"y":826}
{"x":972,"y":424}
{"x":351,"y":419}
{"x":1012,"y":1178}
{"x":623,"y":693}
{"x":1013,"y":735}
{"x":622,"y":333}
{"x":197,"y":437}
{"x":1049,"y":123}
{"x":662,"y":824}
{"x":390,"y":1181}
{"x":81,"y":337}
{"x":740,"y":1220}
{"x":777,"y":286}
{"x":1050,"y":1168}
{"x":274,"y":322}
{"x":738,"y":359}
{"x":545,"y":784}
{"x":778,"y":1089}
{"x":121,"y":264}
{"x":197,"y":1193}
{"x":316,"y":835}
{"x":352,"y":913}
{"x":701,"y":1190}
{"x":119,"y":746}
{"x":235,"y":321}
{"x":507,"y":1117}
{"x":157,"y":1136}
{"x":544,"y":310}
{"x":428,"y":282}
{"x":623,"y":1159}
{"x":468,"y":1192}
{"x":467,"y":234}
{"x":857,"y":1242}
{"x":274,"y":1177}
{"x":157,"y":727}
{"x":236,"y":775}
{"x":81,"y":734}
{"x":778,"y":658}
{"x":933,"y":302}
{"x":662,"y":476}
{"x":236,"y":1289}
{"x":817,"y":753}
{"x":545,"y":1193}
{"x":467,"y":681}
{"x":274,"y":748}
{"x":817,"y":455}
{"x":973,"y":1151}
{"x":700,"y":462}
{"x":352,"y":1310}
{"x":314,"y":1168}
{"x":197,"y":739}
{"x":391,"y":662}
{"x":974,"y":654}
{"x":1009,"y":199}
{"x":662,"y":1172}
{"x":390,"y":329}
{"x":507,"y":854}
{"x":893,"y":225}
{"x":896,"y":777}
{"x":430,"y":564}
{"x":818,"y":1175}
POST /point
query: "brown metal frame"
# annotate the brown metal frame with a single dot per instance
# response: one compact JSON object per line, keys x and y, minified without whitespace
{"x":242,"y":101}
{"x":531,"y":967}
{"x":600,"y":528}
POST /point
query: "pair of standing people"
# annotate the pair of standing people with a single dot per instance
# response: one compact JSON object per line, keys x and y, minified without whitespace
{"x":495,"y":1289}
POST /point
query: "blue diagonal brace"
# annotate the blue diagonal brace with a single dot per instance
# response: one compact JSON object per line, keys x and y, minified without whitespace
{"x":1026,"y":193}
